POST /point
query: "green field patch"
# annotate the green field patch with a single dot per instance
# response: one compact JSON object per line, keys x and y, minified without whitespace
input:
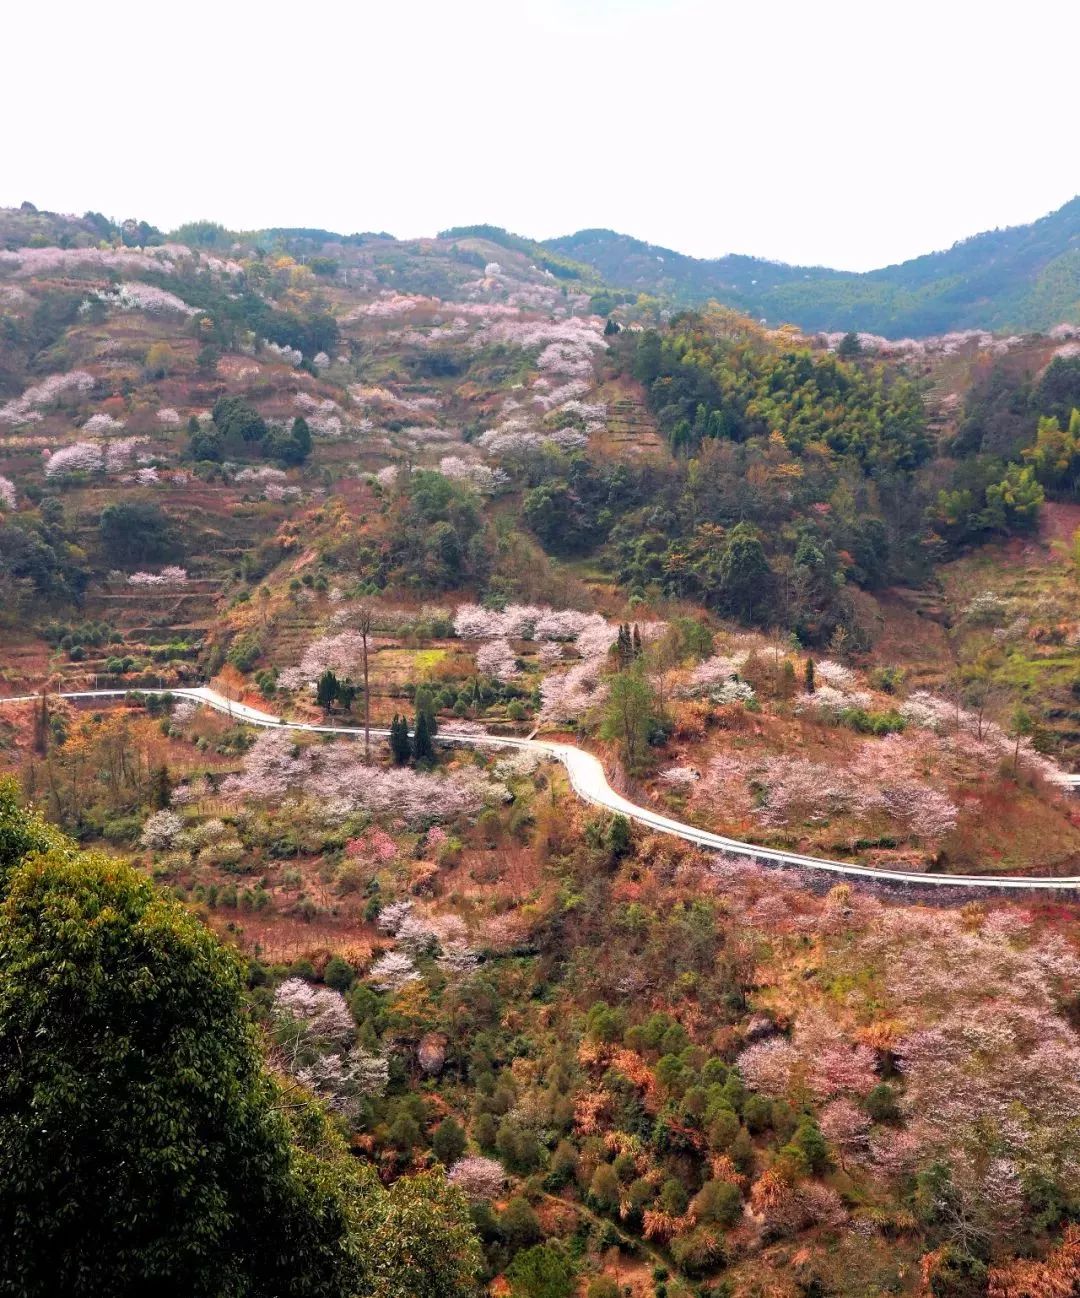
{"x":408,"y":664}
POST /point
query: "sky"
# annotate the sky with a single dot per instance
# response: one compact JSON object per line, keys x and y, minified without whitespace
{"x":843,"y":134}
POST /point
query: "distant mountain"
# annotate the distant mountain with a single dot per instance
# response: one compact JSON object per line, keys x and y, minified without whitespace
{"x":1026,"y":277}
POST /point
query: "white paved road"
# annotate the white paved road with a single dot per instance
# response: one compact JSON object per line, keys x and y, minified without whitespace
{"x":589,"y":782}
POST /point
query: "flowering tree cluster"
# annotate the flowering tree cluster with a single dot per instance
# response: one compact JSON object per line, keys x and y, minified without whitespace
{"x":103,"y":425}
{"x":878,"y":787}
{"x":341,"y":654}
{"x":319,"y":1014}
{"x":516,"y":435}
{"x":390,"y":303}
{"x":26,"y":409}
{"x":171,"y":575}
{"x":324,"y":417}
{"x":161,"y":830}
{"x":497,"y":659}
{"x":374,"y":844}
{"x":817,"y":1061}
{"x":392,"y":971}
{"x":290,"y":355}
{"x":79,"y":457}
{"x":336,"y":779}
{"x":480,"y":476}
{"x":119,"y":454}
{"x":830,"y":701}
{"x":680,"y":776}
{"x":478,"y":1178}
{"x":733,"y":691}
{"x":260,"y":473}
{"x":531,"y":622}
{"x":63,"y":261}
{"x":973,"y":736}
{"x":319,"y":1037}
{"x":133,"y":295}
{"x":7,"y":493}
{"x":565,"y":345}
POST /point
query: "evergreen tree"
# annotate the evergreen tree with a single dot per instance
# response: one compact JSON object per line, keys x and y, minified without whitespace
{"x":628,"y":712}
{"x":810,"y":685}
{"x":400,"y":745}
{"x":422,"y":747}
{"x":637,"y":641}
{"x":744,"y":571}
{"x":624,"y":650}
{"x":143,"y":1147}
{"x":301,"y":437}
{"x":424,"y":702}
{"x":160,"y":787}
{"x":327,"y":690}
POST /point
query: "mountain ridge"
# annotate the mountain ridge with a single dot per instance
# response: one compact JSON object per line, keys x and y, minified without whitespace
{"x":1023,"y":278}
{"x":1018,"y":277}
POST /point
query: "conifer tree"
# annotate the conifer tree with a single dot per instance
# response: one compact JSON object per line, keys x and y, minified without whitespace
{"x":637,"y":641}
{"x":623,"y":647}
{"x":422,"y":748}
{"x":425,"y":703}
{"x":400,"y":746}
{"x":810,"y":686}
{"x":160,"y":787}
{"x":327,"y":690}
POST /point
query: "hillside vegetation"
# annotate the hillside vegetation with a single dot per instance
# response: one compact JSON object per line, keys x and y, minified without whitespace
{"x":1025,"y":277}
{"x":408,"y":1020}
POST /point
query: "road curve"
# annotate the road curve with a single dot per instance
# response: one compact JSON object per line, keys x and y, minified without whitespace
{"x":589,"y":782}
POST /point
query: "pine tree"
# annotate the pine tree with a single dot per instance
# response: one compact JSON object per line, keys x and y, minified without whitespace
{"x":400,"y":746}
{"x":425,"y":703}
{"x":160,"y":787}
{"x":327,"y":690}
{"x":422,"y":747}
{"x":301,"y":437}
{"x":810,"y":686}
{"x":637,"y":641}
{"x":623,"y":647}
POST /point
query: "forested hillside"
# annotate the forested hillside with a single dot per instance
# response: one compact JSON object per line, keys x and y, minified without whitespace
{"x":404,"y":1018}
{"x":1022,"y":278}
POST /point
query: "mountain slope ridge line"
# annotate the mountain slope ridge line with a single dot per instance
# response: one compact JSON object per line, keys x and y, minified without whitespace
{"x":589,"y":781}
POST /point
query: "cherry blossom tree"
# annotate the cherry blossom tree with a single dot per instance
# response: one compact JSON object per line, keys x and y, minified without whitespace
{"x":103,"y":425}
{"x":319,"y":1015}
{"x":80,"y":457}
{"x":392,"y":971}
{"x":497,"y":659}
{"x":478,"y":1178}
{"x":846,"y":1127}
{"x":161,"y":831}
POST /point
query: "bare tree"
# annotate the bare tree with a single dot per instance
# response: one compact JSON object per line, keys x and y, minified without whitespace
{"x":365,"y":621}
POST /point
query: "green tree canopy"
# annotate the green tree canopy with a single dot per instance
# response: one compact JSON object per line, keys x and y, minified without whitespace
{"x":144,"y":1148}
{"x":135,"y":532}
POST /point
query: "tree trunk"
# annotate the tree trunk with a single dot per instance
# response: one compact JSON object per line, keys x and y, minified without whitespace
{"x":365,"y":631}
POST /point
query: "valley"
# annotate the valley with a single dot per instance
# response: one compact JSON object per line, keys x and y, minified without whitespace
{"x":596,"y":767}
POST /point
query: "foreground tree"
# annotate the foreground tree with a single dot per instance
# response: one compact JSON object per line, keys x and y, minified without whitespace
{"x":629,"y":711}
{"x":144,"y":1148}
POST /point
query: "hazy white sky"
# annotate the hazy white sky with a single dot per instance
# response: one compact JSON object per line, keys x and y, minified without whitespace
{"x":846,"y":134}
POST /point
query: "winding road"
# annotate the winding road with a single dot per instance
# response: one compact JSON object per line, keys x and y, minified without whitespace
{"x":589,"y":782}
